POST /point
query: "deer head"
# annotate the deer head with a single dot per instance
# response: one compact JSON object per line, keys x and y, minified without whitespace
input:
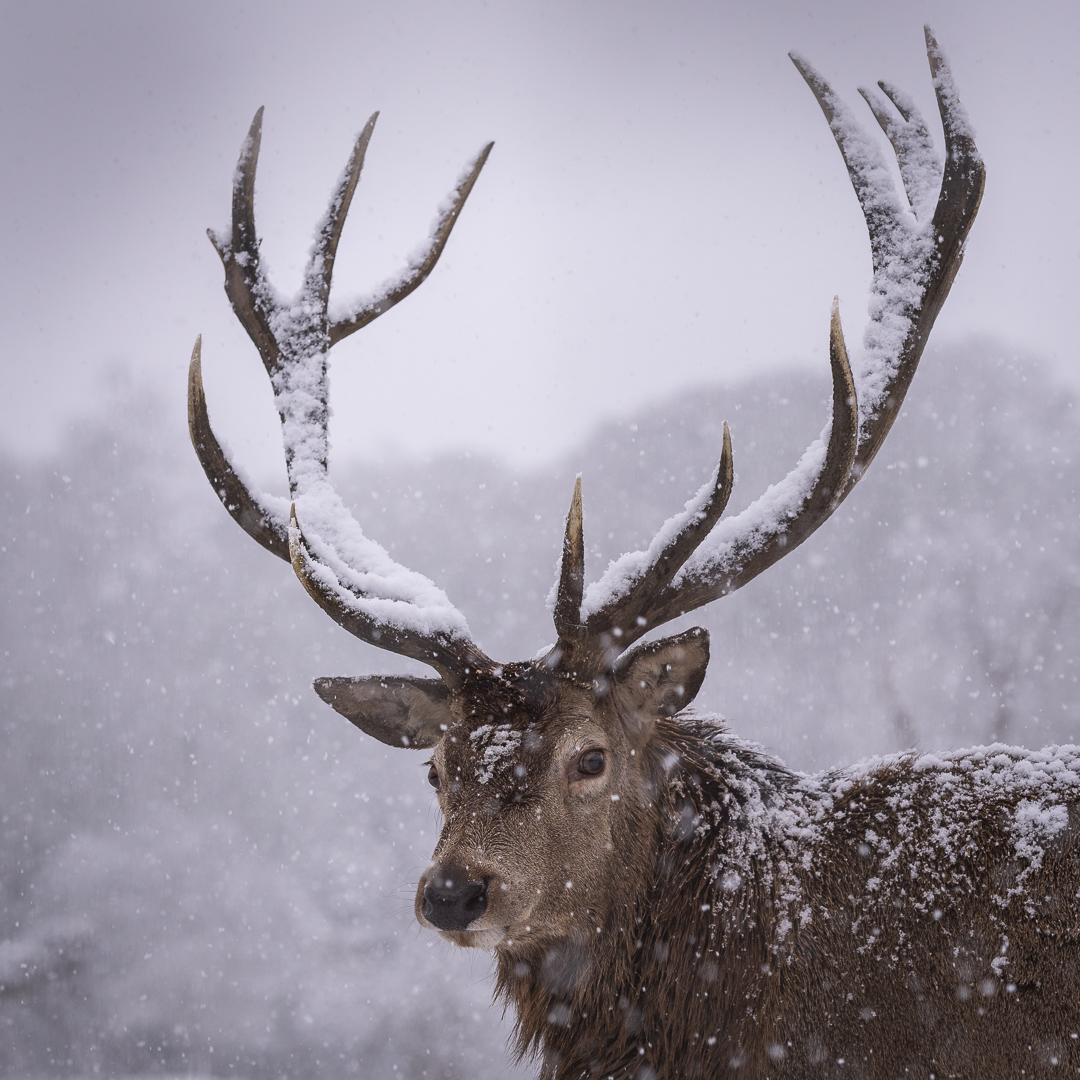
{"x":546,"y":770}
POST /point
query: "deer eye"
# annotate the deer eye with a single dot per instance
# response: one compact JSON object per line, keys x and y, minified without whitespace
{"x":433,"y":777}
{"x":591,"y":763}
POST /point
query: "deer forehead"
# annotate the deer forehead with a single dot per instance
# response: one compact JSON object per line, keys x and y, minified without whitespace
{"x":537,"y":744}
{"x":516,"y":753}
{"x":519,"y":698}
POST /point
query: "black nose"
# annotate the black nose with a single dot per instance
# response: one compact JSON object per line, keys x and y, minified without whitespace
{"x":451,"y":903}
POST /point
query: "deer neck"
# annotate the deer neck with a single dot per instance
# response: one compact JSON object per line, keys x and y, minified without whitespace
{"x":700,"y":923}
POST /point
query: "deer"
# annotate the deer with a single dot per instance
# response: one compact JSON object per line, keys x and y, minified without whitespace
{"x":663,"y":899}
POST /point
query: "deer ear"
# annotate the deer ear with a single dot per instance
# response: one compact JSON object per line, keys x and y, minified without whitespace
{"x":398,"y":712}
{"x":661,"y":677}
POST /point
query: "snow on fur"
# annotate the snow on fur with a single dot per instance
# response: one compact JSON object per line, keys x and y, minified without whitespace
{"x":497,"y":744}
{"x":777,"y":826}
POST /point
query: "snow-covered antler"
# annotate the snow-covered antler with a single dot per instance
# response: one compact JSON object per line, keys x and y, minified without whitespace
{"x":351,"y":577}
{"x":691,"y":562}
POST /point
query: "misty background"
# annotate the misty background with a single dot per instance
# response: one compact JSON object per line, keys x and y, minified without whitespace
{"x":205,"y":871}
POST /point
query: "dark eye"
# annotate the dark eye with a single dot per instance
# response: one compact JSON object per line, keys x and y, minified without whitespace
{"x":591,"y":763}
{"x":433,"y":777}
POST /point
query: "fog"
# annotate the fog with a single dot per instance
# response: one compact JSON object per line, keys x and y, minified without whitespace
{"x":663,"y":207}
{"x":204,"y":870}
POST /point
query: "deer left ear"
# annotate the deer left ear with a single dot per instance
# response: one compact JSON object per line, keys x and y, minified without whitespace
{"x":398,"y":712}
{"x":661,"y":677}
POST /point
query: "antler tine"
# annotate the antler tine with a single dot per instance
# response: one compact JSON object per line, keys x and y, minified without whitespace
{"x":914,"y":266}
{"x":622,"y":616}
{"x":249,"y":292}
{"x":742,"y":547}
{"x":324,"y":252}
{"x":414,"y":274}
{"x":920,"y":167}
{"x":571,"y":586}
{"x":865,"y":164}
{"x":902,"y":316}
{"x":353,"y":578}
{"x":961,"y":188}
{"x":449,"y":651}
{"x":250,"y":511}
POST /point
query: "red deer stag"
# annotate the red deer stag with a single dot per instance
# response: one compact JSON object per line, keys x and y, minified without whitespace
{"x":663,"y":900}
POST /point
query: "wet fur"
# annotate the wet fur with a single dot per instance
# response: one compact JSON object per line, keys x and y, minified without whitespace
{"x":693,"y":976}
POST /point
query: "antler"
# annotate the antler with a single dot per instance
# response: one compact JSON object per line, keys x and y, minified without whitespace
{"x":691,"y":563}
{"x":351,"y":577}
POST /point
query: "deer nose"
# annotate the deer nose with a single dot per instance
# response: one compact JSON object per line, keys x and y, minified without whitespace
{"x":451,"y":902}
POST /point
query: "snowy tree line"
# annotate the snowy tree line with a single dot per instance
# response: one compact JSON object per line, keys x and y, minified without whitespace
{"x":204,"y":869}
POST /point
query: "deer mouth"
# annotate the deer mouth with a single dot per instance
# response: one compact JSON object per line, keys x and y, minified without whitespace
{"x":472,"y":913}
{"x":488,"y":938}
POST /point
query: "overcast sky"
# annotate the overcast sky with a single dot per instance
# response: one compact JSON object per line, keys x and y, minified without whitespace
{"x":664,"y":204}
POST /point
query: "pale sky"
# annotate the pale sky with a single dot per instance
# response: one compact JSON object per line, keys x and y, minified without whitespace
{"x":664,"y":205}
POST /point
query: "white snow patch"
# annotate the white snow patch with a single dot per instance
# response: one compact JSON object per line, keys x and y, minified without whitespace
{"x":500,"y":744}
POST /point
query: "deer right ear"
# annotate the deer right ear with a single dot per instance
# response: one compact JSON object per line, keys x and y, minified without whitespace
{"x":398,"y":712}
{"x":661,"y":677}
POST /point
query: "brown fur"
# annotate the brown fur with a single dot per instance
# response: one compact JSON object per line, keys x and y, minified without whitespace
{"x":750,"y":921}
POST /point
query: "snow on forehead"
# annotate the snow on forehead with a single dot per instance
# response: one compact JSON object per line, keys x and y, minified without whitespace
{"x":496,"y":746}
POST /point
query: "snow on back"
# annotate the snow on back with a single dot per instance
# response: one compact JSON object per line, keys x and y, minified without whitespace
{"x":913,"y":823}
{"x":1028,"y":791}
{"x":1032,"y":786}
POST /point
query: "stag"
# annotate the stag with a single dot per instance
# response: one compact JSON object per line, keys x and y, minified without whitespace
{"x":662,"y":898}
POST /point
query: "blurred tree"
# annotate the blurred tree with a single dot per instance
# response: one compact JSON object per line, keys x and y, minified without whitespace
{"x":203,"y":869}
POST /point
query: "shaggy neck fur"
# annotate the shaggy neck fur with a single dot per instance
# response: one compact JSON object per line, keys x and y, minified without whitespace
{"x":598,"y":1005}
{"x":780,"y":925}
